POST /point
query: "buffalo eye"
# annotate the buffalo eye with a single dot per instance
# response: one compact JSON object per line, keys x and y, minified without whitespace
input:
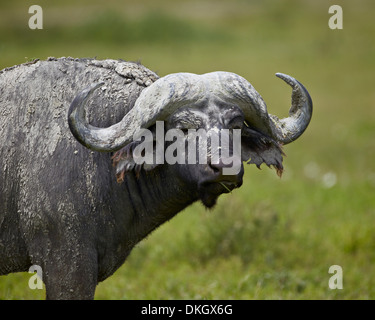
{"x":236,"y":123}
{"x":185,"y":125}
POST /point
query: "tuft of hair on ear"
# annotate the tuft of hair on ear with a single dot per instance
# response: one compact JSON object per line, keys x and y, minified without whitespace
{"x":258,"y":148}
{"x":124,"y":163}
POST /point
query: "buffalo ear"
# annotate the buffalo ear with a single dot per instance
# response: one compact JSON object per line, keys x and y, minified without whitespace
{"x":124,"y":163}
{"x":256,"y":148}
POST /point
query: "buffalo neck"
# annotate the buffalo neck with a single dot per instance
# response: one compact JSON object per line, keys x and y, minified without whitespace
{"x":155,"y":197}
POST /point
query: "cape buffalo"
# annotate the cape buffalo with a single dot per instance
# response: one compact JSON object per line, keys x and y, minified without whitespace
{"x":73,"y":199}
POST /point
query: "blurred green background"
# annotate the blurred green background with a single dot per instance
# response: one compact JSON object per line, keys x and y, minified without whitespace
{"x":272,"y":238}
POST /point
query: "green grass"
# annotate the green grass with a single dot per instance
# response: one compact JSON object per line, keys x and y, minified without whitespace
{"x":272,"y":238}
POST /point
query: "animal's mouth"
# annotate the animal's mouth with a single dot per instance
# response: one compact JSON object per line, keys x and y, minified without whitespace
{"x":209,"y":191}
{"x":228,"y":186}
{"x":223,"y":184}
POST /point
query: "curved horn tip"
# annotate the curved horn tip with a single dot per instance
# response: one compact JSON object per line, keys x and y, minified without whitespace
{"x":82,"y":96}
{"x":288,"y":79}
{"x":93,"y":87}
{"x":76,"y":112}
{"x":294,"y":83}
{"x":300,"y":112}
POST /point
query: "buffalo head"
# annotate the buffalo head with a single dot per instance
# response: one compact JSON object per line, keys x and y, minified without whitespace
{"x":209,"y":102}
